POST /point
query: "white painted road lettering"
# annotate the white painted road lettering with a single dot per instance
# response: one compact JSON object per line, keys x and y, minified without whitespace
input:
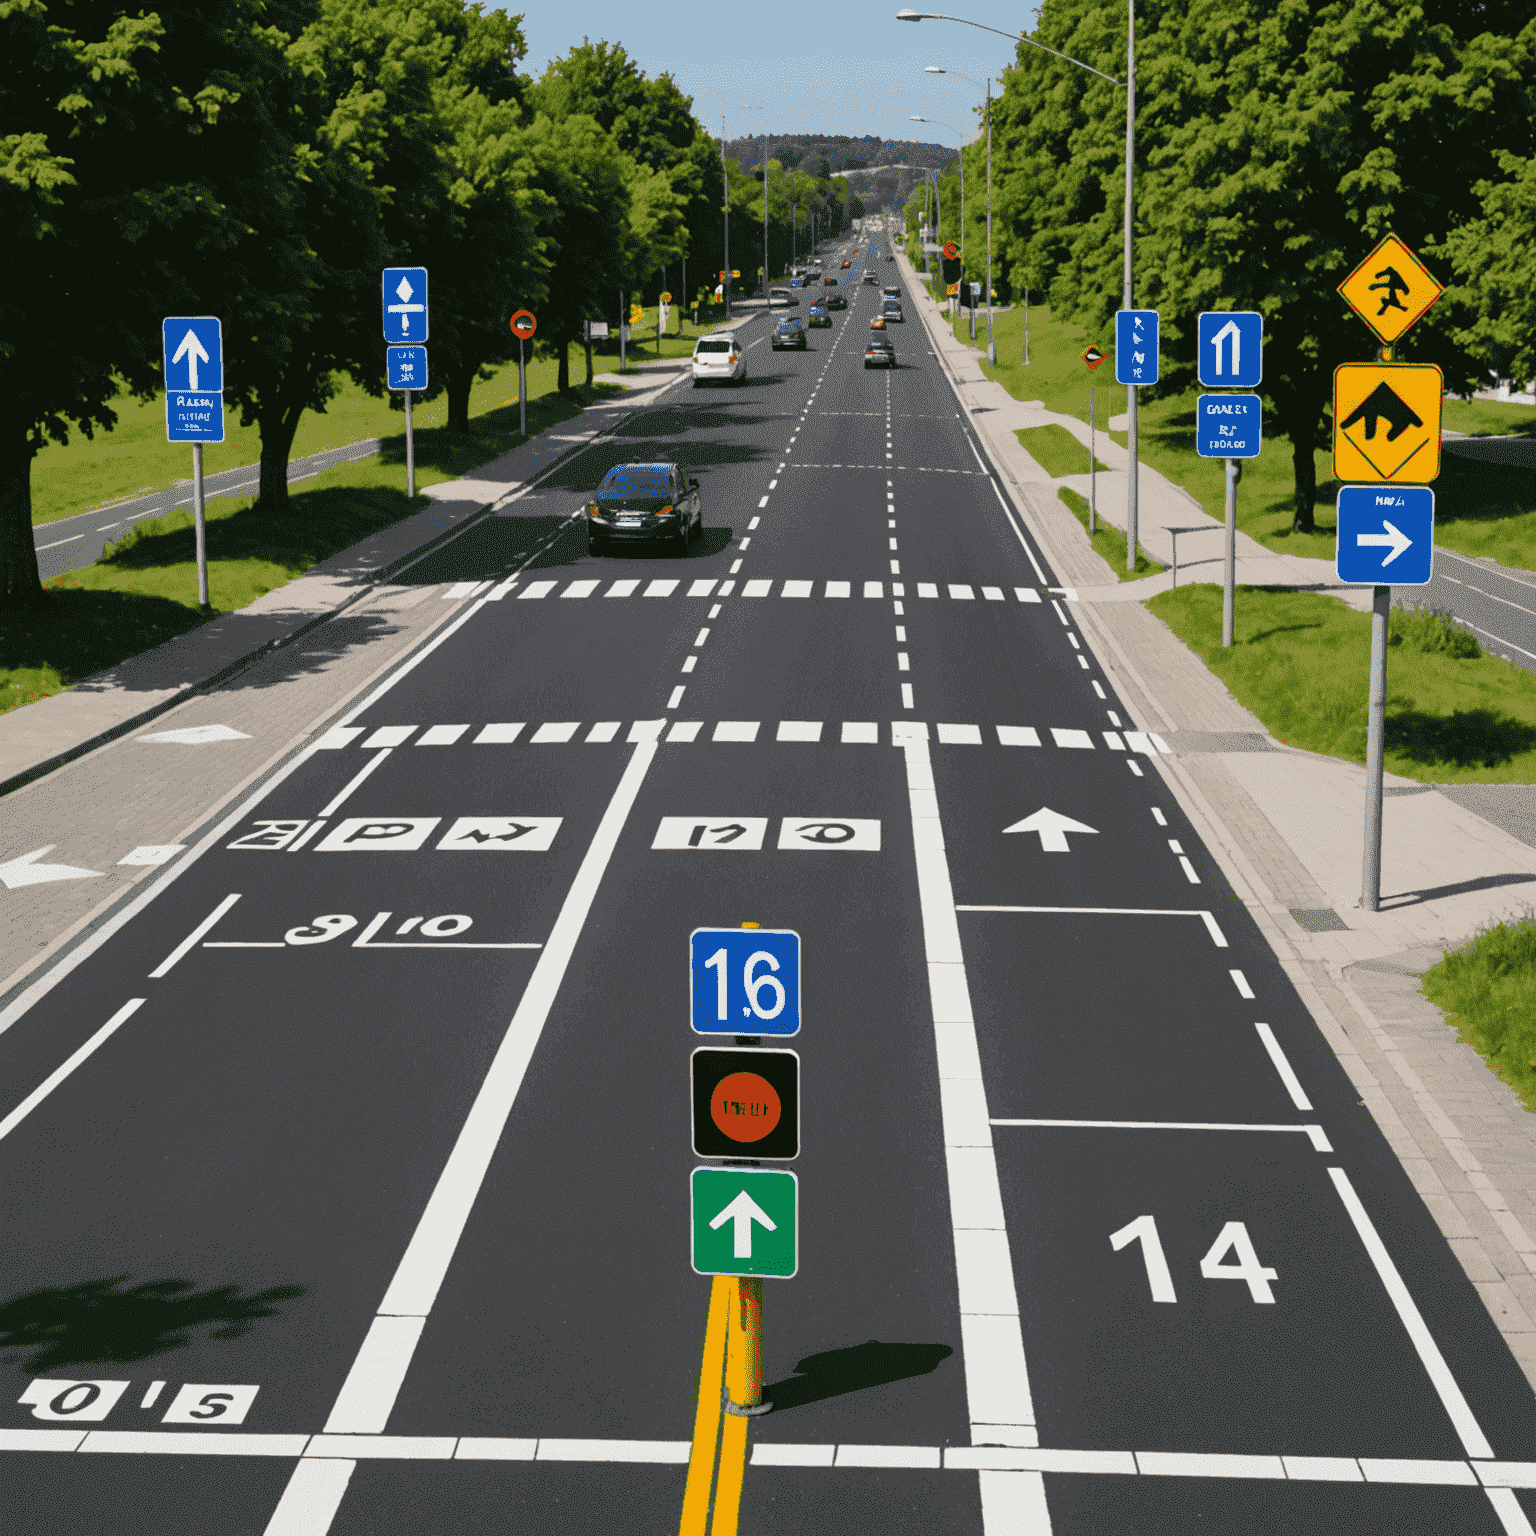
{"x":199,"y":1403}
{"x":501,"y":833}
{"x":74,"y":1401}
{"x":377,"y":833}
{"x":849,"y":834}
{"x":731,"y":832}
{"x":1232,"y":1239}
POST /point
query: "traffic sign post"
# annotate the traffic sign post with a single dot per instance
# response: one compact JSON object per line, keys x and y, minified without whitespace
{"x":746,"y":1103}
{"x":1230,"y":348}
{"x":193,"y":363}
{"x":1093,"y":355}
{"x":1229,"y":427}
{"x":744,"y":981}
{"x":1136,"y":363}
{"x":524,"y":323}
{"x":405,"y":320}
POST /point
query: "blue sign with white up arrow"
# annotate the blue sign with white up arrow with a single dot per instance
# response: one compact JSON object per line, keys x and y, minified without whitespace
{"x":1386,"y":535}
{"x":1231,"y":348}
{"x":405,"y":303}
{"x":194,"y":378}
{"x":1136,"y":346}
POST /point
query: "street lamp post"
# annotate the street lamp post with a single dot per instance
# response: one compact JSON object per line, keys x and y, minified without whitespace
{"x":942,"y":124}
{"x":1129,"y":86}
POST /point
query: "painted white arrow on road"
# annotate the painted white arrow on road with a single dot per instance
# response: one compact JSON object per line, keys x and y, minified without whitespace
{"x":23,"y":871}
{"x":190,"y":345}
{"x":1229,"y":330}
{"x":1052,"y":827}
{"x":1394,"y":538}
{"x":743,"y":1210}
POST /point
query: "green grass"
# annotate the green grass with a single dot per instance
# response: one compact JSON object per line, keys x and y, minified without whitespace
{"x":144,"y":588}
{"x":1488,"y":991}
{"x":1109,"y":542}
{"x":1480,"y":508}
{"x":1300,"y":662}
{"x":1055,"y":450}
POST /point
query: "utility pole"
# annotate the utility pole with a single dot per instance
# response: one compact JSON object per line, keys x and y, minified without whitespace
{"x":725,"y":181}
{"x":991,"y":344}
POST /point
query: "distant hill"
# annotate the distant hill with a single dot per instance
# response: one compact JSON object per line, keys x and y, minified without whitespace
{"x":822,"y":154}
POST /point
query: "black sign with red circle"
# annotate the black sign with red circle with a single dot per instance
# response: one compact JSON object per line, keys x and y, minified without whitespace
{"x":746,"y":1103}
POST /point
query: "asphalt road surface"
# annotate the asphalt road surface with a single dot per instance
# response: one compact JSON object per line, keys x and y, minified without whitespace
{"x":367,"y":1181}
{"x":70,"y":543}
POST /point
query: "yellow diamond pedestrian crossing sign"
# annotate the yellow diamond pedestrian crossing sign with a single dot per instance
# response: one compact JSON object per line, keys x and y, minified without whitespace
{"x":1386,"y":423}
{"x":1390,"y":289}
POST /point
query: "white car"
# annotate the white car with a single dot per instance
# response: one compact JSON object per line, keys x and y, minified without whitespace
{"x":719,"y":359}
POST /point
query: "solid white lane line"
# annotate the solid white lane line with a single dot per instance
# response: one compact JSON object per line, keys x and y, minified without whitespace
{"x":57,"y":542}
{"x":996,"y":1377}
{"x":355,"y":782}
{"x":58,"y":1075}
{"x":192,"y":938}
{"x":1017,"y":531}
{"x":1217,"y":936}
{"x":1456,"y":1406}
{"x":368,"y":1395}
{"x":1283,"y":1067}
{"x":311,"y":1499}
{"x":1507,"y":1507}
{"x":1313,"y":1133}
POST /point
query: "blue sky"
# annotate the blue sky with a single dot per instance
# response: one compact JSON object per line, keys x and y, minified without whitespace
{"x":853,"y":70}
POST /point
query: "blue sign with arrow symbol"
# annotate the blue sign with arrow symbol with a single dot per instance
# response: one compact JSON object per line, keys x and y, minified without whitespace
{"x":1386,"y":535}
{"x":1136,"y":334}
{"x":1231,"y":348}
{"x":194,"y":378}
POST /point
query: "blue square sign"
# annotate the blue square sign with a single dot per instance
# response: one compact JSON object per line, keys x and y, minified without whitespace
{"x":744,"y":981}
{"x":1227,"y":426}
{"x":405,"y":303}
{"x":1231,"y":348}
{"x":1386,"y":535}
{"x":193,"y":357}
{"x":406,"y":367}
{"x":1136,"y":346}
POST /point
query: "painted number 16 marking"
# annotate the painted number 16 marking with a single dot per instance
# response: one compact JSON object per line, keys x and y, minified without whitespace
{"x":1233,"y":1238}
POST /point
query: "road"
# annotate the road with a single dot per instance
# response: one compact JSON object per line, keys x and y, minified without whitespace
{"x":397,"y":1240}
{"x":70,"y":543}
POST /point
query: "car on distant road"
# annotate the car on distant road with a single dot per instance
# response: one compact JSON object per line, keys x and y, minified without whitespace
{"x":645,"y":504}
{"x":719,"y":359}
{"x":891,"y":291}
{"x":789,"y":333}
{"x":798,"y":281}
{"x":878,"y":323}
{"x":835,"y":299}
{"x":846,"y":265}
{"x":891,"y":309}
{"x":783,"y":298}
{"x":869,"y":275}
{"x":879,"y":353}
{"x":820,"y":314}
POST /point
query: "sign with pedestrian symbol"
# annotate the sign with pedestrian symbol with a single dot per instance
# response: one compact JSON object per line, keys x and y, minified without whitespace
{"x":746,"y":1103}
{"x":1386,"y":422}
{"x":745,"y":1222}
{"x":1231,"y":348}
{"x":194,"y":378}
{"x":1390,"y":289}
{"x":1136,"y":335}
{"x":744,"y":981}
{"x":1386,"y":535}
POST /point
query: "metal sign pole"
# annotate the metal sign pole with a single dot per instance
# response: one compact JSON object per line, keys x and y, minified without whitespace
{"x":1132,"y":486}
{"x":522,"y":386}
{"x":201,"y":527}
{"x":1229,"y":579}
{"x":1375,"y":749}
{"x":1093,"y":479}
{"x":623,"y":327}
{"x":410,"y":451}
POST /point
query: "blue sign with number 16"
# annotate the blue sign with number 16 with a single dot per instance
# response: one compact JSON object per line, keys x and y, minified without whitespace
{"x":744,"y":981}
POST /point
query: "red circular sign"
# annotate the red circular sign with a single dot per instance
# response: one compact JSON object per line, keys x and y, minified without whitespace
{"x":745,"y":1106}
{"x":524,"y":324}
{"x":951,"y":249}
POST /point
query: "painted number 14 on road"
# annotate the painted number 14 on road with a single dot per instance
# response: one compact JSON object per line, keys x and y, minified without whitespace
{"x":744,"y":981}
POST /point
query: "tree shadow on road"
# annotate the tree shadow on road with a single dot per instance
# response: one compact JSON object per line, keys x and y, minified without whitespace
{"x":110,"y":1320}
{"x":836,"y":1372}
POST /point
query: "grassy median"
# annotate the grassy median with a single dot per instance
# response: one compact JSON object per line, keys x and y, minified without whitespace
{"x":1488,"y":991}
{"x":1109,"y":541}
{"x":1300,"y":662}
{"x":1481,"y":507}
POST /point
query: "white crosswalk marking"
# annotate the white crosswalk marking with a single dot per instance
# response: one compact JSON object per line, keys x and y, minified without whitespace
{"x":960,"y":735}
{"x":993,"y":594}
{"x":604,"y":730}
{"x":799,"y":730}
{"x":798,"y":588}
{"x":1026,"y":594}
{"x":963,"y":593}
{"x":625,"y":588}
{"x":537,"y":589}
{"x":757,"y":589}
{"x":440,"y":735}
{"x":555,"y":730}
{"x":874,"y":589}
{"x":661,"y":588}
{"x":839,"y":589}
{"x":737,"y":730}
{"x":700,"y":588}
{"x":762,"y":587}
{"x":1072,"y":738}
{"x":390,"y":736}
{"x":497,"y":735}
{"x":1018,"y":736}
{"x":580,"y":589}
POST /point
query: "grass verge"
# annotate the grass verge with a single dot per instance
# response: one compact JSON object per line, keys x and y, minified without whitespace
{"x":1488,"y":991}
{"x":143,"y":590}
{"x":1056,"y":451}
{"x":1109,"y":542}
{"x":1300,"y":662}
{"x":1481,"y":508}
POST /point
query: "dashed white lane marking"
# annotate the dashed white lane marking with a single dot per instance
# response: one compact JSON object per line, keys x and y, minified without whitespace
{"x":1241,"y":983}
{"x":1283,"y":1067}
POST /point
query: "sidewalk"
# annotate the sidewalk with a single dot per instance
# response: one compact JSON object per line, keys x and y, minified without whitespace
{"x":43,"y":735}
{"x":1287,"y":829}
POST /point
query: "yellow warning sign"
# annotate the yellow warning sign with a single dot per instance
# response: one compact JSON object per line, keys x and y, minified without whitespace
{"x":1390,"y":289}
{"x":1386,"y":423}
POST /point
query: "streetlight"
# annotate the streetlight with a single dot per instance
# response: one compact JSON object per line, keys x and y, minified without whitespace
{"x":1128,"y":85}
{"x":939,"y":122}
{"x":725,"y":182}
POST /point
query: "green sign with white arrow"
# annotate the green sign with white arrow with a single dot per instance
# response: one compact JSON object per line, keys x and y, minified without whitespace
{"x":745,"y":1222}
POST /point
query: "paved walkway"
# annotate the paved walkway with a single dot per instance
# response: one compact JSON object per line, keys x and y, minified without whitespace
{"x":1286,"y":827}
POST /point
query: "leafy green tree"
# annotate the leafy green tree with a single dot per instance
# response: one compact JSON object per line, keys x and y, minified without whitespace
{"x":141,"y":154}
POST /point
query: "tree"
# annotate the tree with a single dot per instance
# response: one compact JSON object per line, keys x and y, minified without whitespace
{"x":140,"y":152}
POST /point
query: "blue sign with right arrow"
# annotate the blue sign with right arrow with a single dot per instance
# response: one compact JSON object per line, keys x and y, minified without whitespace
{"x":1386,"y":535}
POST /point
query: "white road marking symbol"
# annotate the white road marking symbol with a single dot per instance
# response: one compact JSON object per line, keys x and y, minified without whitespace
{"x":200,"y":1403}
{"x":377,"y":832}
{"x":24,"y":871}
{"x":531,"y":833}
{"x":1052,"y":827}
{"x":741,"y":1213}
{"x":1233,"y":1238}
{"x":91,"y":1401}
{"x":737,"y":832}
{"x":1144,"y":1231}
{"x":857,"y":835}
{"x":270,"y":836}
{"x":321,"y":930}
